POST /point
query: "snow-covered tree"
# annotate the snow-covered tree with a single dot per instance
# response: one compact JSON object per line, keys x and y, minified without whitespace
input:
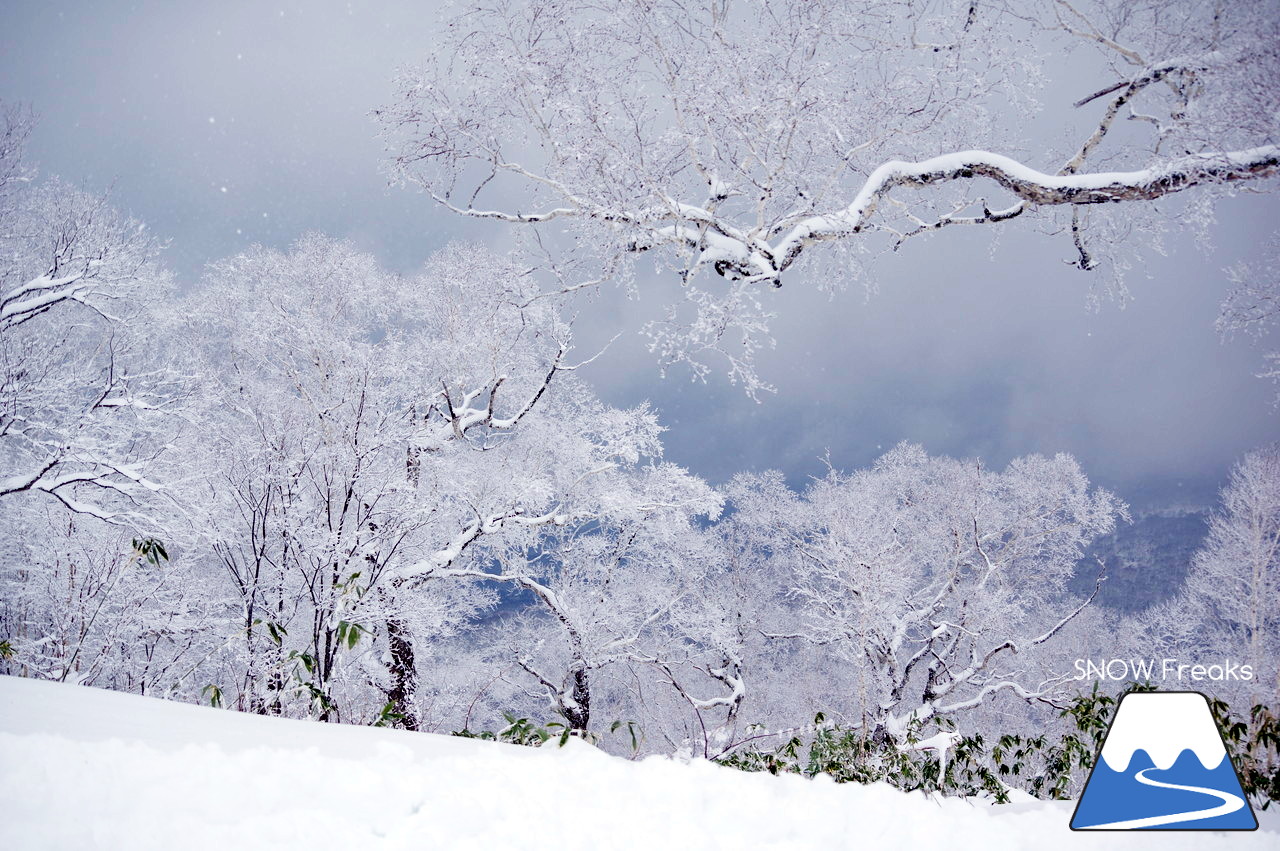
{"x":321,"y":427}
{"x":510,"y":442}
{"x":80,"y":399}
{"x":606,"y":582}
{"x":721,"y":668}
{"x":365,"y":436}
{"x":85,"y":602}
{"x":1231,"y":601}
{"x":736,"y":137}
{"x":929,"y":576}
{"x":1252,"y":307}
{"x":86,"y":405}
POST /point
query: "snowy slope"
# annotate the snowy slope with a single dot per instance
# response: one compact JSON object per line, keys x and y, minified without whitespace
{"x":84,"y":768}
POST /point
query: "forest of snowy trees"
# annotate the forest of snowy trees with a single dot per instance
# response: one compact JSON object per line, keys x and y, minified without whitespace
{"x":311,"y":487}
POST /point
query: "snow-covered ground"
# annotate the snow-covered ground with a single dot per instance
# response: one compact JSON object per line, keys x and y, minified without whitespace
{"x":86,"y":768}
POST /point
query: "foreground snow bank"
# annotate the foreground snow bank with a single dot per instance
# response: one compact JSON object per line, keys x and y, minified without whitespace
{"x":83,"y":768}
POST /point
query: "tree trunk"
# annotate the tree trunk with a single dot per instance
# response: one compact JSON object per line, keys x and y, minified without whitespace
{"x":575,"y":702}
{"x":404,"y":674}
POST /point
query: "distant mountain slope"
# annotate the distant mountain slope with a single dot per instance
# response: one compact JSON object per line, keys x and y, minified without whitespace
{"x":1146,"y":561}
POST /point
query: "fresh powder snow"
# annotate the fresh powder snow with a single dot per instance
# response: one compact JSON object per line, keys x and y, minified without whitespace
{"x":87,"y":768}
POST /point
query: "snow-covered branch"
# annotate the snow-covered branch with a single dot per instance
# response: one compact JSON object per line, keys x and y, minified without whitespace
{"x":80,"y":406}
{"x":1033,"y":186}
{"x":739,"y":154}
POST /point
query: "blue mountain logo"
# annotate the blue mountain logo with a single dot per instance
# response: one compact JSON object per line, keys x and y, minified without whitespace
{"x":1163,"y":766}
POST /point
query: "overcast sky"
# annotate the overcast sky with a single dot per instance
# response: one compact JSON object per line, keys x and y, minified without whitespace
{"x":224,"y":124}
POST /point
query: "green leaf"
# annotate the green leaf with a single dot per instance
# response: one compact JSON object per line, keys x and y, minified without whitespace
{"x":349,"y":633}
{"x":151,"y":550}
{"x":214,"y":694}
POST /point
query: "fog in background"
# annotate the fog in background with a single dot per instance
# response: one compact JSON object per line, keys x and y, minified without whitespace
{"x":223,"y":125}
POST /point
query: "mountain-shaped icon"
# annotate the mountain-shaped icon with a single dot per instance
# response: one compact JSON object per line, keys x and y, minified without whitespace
{"x":1163,"y":766}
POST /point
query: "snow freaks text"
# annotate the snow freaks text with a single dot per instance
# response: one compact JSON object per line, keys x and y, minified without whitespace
{"x":1147,"y":670}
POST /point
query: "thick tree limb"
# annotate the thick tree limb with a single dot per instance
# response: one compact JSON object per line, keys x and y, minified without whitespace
{"x":1033,"y":186}
{"x":752,"y":257}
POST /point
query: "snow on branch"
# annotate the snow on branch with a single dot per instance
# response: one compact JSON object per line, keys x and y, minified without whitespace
{"x":1033,"y":186}
{"x":439,"y":563}
{"x":737,"y":153}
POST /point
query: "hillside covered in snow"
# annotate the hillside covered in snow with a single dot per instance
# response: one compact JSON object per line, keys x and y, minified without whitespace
{"x":86,"y":768}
